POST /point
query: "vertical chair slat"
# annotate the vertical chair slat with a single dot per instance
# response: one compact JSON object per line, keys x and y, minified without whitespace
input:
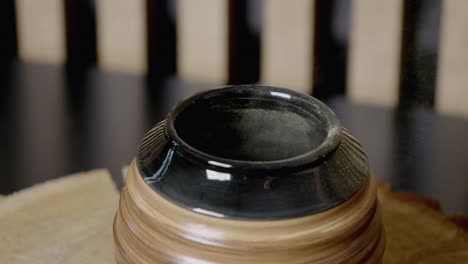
{"x":8,"y":31}
{"x":452,"y":83}
{"x":331,"y":41}
{"x":375,"y":48}
{"x":287,"y":44}
{"x":121,"y":29}
{"x":80,"y":21}
{"x":202,"y":40}
{"x":419,"y":52}
{"x":244,"y":41}
{"x":161,"y":38}
{"x":41,"y":30}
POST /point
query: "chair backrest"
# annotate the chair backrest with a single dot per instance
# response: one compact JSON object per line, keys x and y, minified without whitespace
{"x":374,"y":51}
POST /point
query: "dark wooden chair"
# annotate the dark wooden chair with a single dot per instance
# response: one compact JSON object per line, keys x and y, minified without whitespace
{"x":82,"y":80}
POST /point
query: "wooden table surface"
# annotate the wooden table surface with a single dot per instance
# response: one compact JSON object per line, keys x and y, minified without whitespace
{"x":54,"y":123}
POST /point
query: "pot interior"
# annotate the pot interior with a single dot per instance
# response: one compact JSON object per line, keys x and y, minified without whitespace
{"x":250,"y":128}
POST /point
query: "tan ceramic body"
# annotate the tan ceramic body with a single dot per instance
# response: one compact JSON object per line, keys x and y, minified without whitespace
{"x":150,"y":229}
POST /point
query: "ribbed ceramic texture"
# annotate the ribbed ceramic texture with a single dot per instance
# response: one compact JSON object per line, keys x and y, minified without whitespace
{"x":150,"y":229}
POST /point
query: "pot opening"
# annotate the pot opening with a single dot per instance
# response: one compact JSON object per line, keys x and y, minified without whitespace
{"x":250,"y":126}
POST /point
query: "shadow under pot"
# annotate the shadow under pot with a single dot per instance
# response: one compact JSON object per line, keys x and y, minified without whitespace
{"x":249,"y":174}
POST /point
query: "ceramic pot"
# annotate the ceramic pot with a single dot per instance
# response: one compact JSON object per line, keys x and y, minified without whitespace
{"x":249,"y":174}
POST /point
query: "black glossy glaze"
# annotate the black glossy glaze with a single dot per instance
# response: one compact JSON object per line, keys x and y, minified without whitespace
{"x":252,"y":152}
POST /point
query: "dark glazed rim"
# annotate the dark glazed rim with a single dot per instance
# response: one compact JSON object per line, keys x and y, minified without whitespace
{"x":322,"y":112}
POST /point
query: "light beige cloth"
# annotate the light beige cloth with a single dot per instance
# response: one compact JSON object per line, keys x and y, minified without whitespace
{"x":68,"y":220}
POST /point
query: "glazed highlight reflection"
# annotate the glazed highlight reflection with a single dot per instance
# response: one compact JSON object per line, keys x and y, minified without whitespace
{"x":249,"y":174}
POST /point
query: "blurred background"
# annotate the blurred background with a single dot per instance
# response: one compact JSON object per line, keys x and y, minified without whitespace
{"x":82,"y":80}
